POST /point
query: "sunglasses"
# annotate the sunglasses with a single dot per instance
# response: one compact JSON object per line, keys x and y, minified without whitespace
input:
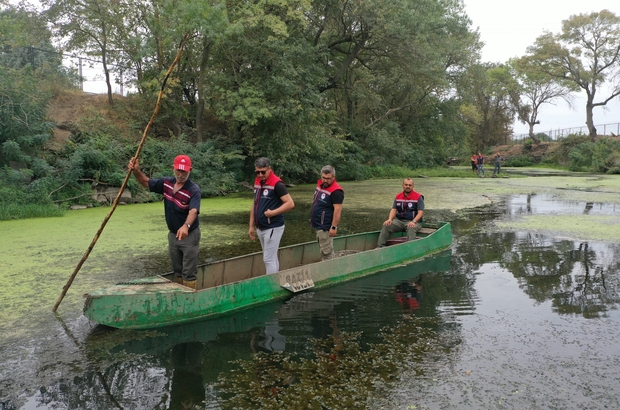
{"x":257,"y":172}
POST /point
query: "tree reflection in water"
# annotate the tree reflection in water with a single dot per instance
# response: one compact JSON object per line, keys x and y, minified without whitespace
{"x":578,"y":277}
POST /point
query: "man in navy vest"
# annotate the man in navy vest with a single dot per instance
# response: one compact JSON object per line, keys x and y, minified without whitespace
{"x":271,"y":201}
{"x":326,"y":210}
{"x":181,"y":209}
{"x":405,"y":215}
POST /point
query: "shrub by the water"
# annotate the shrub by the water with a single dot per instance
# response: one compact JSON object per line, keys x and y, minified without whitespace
{"x":519,"y":161}
{"x":599,"y":156}
{"x":19,"y":200}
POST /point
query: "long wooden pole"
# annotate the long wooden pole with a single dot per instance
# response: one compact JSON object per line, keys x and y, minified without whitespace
{"x":120,"y":191}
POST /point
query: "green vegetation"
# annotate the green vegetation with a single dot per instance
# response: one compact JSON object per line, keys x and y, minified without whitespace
{"x":583,"y":56}
{"x":578,"y":153}
{"x":300,"y":82}
{"x":21,"y":200}
{"x":519,"y":161}
{"x":339,"y":373}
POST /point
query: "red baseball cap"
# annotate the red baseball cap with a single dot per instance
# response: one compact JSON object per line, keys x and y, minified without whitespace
{"x":183,"y":163}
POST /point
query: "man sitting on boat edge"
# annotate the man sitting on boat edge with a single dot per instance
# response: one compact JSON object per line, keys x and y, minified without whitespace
{"x":406,"y":213}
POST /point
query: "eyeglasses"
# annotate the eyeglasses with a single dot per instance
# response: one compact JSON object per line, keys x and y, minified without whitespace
{"x":258,"y":172}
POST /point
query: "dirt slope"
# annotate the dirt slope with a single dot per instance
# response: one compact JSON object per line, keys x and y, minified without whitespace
{"x":70,"y":111}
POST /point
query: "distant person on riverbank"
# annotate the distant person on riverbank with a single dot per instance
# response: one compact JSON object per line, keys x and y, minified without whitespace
{"x":271,"y":201}
{"x":326,"y":211}
{"x":474,"y":163}
{"x":480,"y":165}
{"x":181,"y":209}
{"x":498,"y":164}
{"x":405,"y":216}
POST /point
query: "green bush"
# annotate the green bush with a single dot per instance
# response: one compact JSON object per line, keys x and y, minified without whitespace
{"x":213,"y":169}
{"x":561,"y":155}
{"x":20,"y":199}
{"x":599,"y":156}
{"x":613,"y":163}
{"x":519,"y":161}
{"x":544,"y":137}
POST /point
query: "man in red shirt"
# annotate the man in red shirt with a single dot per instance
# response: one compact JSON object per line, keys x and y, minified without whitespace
{"x":405,"y":215}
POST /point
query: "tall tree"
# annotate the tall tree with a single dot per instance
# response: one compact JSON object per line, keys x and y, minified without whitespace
{"x":26,"y":40}
{"x":389,"y":65}
{"x":486,"y":108}
{"x":529,"y":89}
{"x":26,"y":77}
{"x":88,"y":26}
{"x":587,"y":53}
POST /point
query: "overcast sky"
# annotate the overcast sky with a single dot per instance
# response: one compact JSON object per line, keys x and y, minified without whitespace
{"x":508,"y":28}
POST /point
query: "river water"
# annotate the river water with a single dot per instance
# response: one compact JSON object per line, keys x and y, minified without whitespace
{"x":505,"y":319}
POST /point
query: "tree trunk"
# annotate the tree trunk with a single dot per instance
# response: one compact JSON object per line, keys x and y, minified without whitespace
{"x":200,"y":106}
{"x":590,"y":120}
{"x":107,"y":81}
{"x":106,"y":71}
{"x":532,"y":135}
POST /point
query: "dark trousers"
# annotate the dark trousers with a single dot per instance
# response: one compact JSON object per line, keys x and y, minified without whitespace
{"x":184,"y":254}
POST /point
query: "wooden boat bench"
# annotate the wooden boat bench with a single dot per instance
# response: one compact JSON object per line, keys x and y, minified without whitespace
{"x":423,"y":232}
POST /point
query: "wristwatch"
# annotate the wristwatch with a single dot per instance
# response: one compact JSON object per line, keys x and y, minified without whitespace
{"x":188,"y":225}
{"x":334,"y":227}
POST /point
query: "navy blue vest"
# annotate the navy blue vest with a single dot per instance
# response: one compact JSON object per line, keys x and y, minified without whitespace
{"x":407,"y":207}
{"x":322,"y":208}
{"x":265,"y":198}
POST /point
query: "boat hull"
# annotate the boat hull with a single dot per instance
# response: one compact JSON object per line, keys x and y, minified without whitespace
{"x":239,"y":283}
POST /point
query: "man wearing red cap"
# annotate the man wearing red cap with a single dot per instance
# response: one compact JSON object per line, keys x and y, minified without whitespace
{"x":181,"y":208}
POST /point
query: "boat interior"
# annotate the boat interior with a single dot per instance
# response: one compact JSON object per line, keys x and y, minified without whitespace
{"x":250,"y":266}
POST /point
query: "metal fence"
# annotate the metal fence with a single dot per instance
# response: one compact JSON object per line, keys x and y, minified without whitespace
{"x":554,"y":135}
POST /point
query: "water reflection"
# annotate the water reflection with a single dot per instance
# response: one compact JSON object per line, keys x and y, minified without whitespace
{"x":402,"y":337}
{"x":409,"y":294}
{"x":578,"y":277}
{"x":547,"y":204}
{"x":171,"y":367}
{"x":187,"y":386}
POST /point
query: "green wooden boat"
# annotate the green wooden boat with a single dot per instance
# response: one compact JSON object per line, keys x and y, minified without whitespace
{"x":238,"y":283}
{"x":102,"y":340}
